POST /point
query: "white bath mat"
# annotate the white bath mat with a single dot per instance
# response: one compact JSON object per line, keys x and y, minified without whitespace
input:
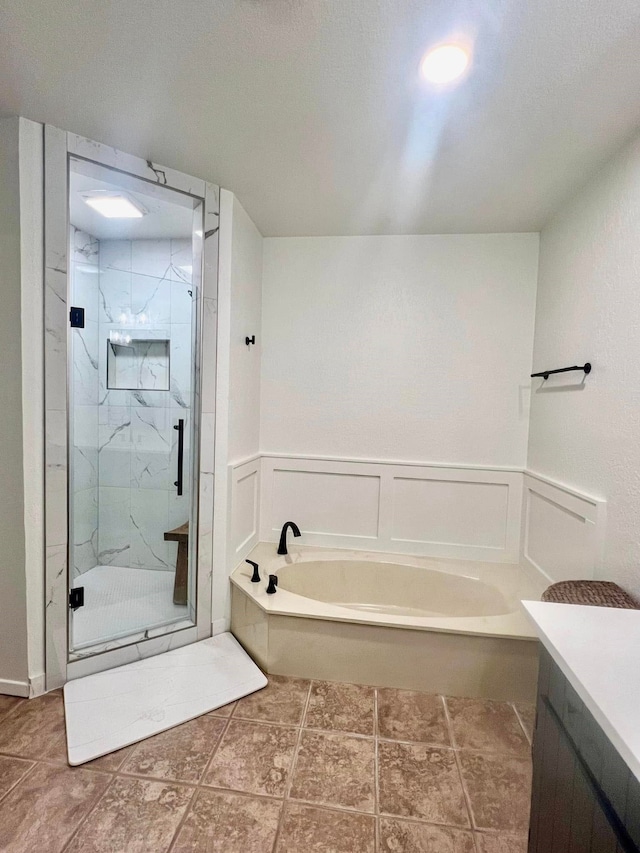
{"x":112,"y":709}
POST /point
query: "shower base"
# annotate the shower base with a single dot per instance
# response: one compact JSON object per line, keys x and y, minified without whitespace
{"x":120,"y":601}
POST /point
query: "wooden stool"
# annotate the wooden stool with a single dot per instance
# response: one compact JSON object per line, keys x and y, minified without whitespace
{"x":181,"y":536}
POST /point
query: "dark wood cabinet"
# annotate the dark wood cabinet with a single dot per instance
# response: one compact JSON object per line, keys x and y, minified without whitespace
{"x":584,"y":797}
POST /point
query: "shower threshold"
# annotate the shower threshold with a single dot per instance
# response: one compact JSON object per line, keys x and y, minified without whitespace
{"x":119,"y":601}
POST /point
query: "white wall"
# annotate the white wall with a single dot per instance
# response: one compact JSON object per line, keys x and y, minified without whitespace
{"x":32,"y":263}
{"x":237,"y":389}
{"x":14,"y":672}
{"x":246,"y":313}
{"x":399,"y":348}
{"x":587,"y":435}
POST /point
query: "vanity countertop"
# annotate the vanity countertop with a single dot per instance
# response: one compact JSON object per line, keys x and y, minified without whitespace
{"x":598,"y":650}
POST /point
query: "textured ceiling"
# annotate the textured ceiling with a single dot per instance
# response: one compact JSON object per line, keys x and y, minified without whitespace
{"x":312,"y":112}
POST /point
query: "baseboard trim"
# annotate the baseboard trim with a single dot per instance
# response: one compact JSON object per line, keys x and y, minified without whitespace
{"x":38,"y":685}
{"x":219,"y":626}
{"x":14,"y":688}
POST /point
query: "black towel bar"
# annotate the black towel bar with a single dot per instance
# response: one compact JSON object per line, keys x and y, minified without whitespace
{"x":547,"y":373}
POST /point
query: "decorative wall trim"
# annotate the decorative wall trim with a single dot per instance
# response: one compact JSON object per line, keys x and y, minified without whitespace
{"x":244,"y":500}
{"x":453,"y":511}
{"x":563,"y":529}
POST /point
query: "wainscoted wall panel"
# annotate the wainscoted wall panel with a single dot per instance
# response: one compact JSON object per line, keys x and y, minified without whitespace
{"x":451,"y":512}
{"x":468,"y":513}
{"x":563,"y":530}
{"x":326,"y":502}
{"x":244,"y":500}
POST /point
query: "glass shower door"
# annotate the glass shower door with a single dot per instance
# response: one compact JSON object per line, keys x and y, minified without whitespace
{"x":133,"y":345}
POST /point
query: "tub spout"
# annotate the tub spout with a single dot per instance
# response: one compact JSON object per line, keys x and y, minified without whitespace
{"x":282,"y":547}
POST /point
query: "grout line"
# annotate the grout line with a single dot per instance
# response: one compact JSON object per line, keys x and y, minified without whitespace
{"x":465,"y":793}
{"x":214,"y":751}
{"x":5,"y":716}
{"x":376,"y":780}
{"x":314,"y":804}
{"x":27,"y":772}
{"x":449,"y":721}
{"x":522,"y":725}
{"x":88,"y":814}
{"x":182,"y":820}
{"x":292,"y":767}
{"x":217,"y":789}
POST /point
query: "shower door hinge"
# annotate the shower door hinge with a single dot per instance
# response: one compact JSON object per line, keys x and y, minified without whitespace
{"x":76,"y":597}
{"x":76,"y":318}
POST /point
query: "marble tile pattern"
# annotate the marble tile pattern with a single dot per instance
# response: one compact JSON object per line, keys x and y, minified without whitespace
{"x":124,"y":445}
{"x":124,"y":439}
{"x":145,"y":292}
{"x":280,"y":771}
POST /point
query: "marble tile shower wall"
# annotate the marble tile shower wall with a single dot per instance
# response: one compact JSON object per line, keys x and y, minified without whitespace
{"x":84,"y":396}
{"x":143,"y":290}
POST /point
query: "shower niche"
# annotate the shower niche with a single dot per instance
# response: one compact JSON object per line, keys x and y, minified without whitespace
{"x":137,"y":364}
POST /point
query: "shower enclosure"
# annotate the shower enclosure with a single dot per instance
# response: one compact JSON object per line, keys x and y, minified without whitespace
{"x":129,"y":279}
{"x":131,"y":427}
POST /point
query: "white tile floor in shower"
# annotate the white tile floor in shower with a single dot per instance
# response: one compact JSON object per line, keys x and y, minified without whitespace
{"x":120,"y":601}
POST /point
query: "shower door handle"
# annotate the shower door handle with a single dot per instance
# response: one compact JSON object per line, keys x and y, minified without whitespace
{"x":180,"y":427}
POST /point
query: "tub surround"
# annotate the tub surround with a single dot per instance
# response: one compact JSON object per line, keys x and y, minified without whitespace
{"x":490,"y":656}
{"x":596,"y":650}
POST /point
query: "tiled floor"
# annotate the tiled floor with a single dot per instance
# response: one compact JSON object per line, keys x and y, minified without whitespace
{"x":300,"y":767}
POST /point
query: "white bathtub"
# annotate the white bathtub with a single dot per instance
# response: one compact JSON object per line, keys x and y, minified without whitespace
{"x":448,"y":626}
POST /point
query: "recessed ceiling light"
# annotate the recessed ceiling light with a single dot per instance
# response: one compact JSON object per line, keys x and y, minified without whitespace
{"x":114,"y":205}
{"x":445,"y":63}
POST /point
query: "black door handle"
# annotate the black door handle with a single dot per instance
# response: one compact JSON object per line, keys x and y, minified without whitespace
{"x":180,"y":427}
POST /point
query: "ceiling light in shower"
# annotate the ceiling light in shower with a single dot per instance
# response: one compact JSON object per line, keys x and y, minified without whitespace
{"x":445,"y":63}
{"x":114,"y":205}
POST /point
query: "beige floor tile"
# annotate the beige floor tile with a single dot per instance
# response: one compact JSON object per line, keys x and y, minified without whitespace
{"x":42,"y":812}
{"x":341,"y":708}
{"x":335,"y":770}
{"x":133,"y":815}
{"x":281,"y":701}
{"x":419,"y":781}
{"x":110,"y":762}
{"x":499,"y":787}
{"x":404,"y":836}
{"x":223,"y":822}
{"x":253,"y":757}
{"x":8,"y":703}
{"x":11,"y":772}
{"x":35,"y":729}
{"x":527,"y":713}
{"x":315,"y":830}
{"x":409,"y":715}
{"x":180,"y":754}
{"x":487,"y":726}
{"x":501,"y":842}
{"x":224,"y":711}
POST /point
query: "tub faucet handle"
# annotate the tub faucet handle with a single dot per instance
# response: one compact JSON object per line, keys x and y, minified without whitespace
{"x":255,"y":577}
{"x":273,"y":584}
